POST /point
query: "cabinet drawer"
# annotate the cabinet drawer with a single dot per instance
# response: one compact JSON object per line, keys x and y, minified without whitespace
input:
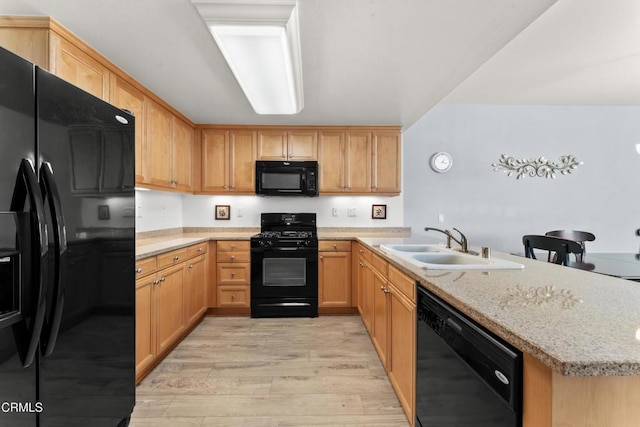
{"x":334,"y":245}
{"x":172,"y":258}
{"x":233,"y":245}
{"x":404,"y":283}
{"x":364,"y":252}
{"x":379,"y":264}
{"x":196,"y":250}
{"x":233,"y":273}
{"x":233,"y":296}
{"x":234,"y":257}
{"x":145,"y":266}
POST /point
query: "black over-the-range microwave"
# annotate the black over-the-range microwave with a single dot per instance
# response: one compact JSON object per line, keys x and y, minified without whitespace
{"x":276,"y":178}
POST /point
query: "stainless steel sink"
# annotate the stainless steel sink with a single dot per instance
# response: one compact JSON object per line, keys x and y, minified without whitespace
{"x":435,"y":257}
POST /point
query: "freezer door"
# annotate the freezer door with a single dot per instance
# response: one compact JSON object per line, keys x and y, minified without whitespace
{"x":17,"y":142}
{"x":87,"y":369}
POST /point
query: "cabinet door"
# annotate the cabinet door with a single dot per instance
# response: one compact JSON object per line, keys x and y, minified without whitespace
{"x":242,"y":161}
{"x":402,"y":349}
{"x":386,"y":162}
{"x":182,"y":155}
{"x":127,"y":97}
{"x":272,"y":145}
{"x":331,"y":161}
{"x":358,"y":162}
{"x":380,"y":316}
{"x":145,"y":322}
{"x":215,"y":163}
{"x":334,"y":283}
{"x":170,"y":305}
{"x":159,"y":144}
{"x":302,"y":145}
{"x":195,"y":289}
{"x":366,"y":293}
{"x":77,"y":67}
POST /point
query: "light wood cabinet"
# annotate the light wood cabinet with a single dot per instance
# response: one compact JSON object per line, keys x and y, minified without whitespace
{"x":145,"y":326}
{"x":233,"y":274}
{"x":296,"y":145}
{"x":127,"y":97}
{"x":49,"y":45}
{"x":171,"y":297}
{"x":401,"y":362}
{"x":334,"y":274}
{"x":386,"y":162}
{"x":195,"y":295}
{"x":359,"y":161}
{"x":170,"y":307}
{"x":388,"y":309}
{"x":169,"y":149}
{"x":228,"y":161}
{"x":380,"y":325}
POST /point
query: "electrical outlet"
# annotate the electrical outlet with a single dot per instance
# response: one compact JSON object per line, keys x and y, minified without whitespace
{"x":441,"y":218}
{"x":138,"y":211}
{"x":352,"y":212}
{"x":334,"y":212}
{"x":240,"y":212}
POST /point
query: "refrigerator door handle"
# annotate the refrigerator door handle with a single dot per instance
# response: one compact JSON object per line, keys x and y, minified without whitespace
{"x":50,"y":193}
{"x":28,"y":335}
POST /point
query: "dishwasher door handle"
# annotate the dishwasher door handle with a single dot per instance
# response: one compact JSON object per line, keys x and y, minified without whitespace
{"x":454,"y":325}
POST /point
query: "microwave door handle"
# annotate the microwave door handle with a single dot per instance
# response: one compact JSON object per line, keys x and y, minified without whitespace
{"x":50,"y":193}
{"x":27,"y":334}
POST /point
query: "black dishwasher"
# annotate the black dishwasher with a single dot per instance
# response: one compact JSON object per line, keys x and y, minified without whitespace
{"x":465,"y":375}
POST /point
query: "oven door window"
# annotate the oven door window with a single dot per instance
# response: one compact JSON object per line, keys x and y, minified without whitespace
{"x":281,"y":181}
{"x":284,"y":271}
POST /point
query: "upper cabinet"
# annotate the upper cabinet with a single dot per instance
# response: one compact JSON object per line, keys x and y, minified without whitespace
{"x":359,"y":161}
{"x":126,"y":96}
{"x":170,"y":152}
{"x":228,"y":161}
{"x":49,"y":45}
{"x":295,"y":145}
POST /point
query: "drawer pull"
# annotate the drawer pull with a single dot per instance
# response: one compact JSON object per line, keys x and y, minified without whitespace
{"x":233,"y":257}
{"x":190,"y":266}
{"x":334,"y":246}
{"x":233,"y":296}
{"x":233,"y":274}
{"x":233,"y":246}
{"x":361,"y":251}
{"x":155,"y":282}
{"x":162,"y":279}
{"x":138,"y":270}
{"x":199,"y":249}
{"x":175,"y":258}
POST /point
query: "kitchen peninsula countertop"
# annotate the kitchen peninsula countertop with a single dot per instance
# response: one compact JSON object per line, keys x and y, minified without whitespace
{"x":575,"y":322}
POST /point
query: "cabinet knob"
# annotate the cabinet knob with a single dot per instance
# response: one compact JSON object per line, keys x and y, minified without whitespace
{"x":233,"y":257}
{"x":386,"y":290}
{"x":155,"y":282}
{"x":175,"y":258}
{"x":233,"y":274}
{"x":138,"y":270}
{"x":225,"y":186}
{"x":233,"y":296}
{"x":233,"y":246}
{"x":190,"y":266}
{"x":162,"y":279}
{"x":321,"y":257}
{"x":199,"y":249}
{"x":284,"y":156}
{"x":361,"y":251}
{"x":232,"y":186}
{"x":334,"y":246}
{"x":361,"y":264}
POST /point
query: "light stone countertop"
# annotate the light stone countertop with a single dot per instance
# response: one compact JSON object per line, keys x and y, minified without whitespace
{"x":576,"y":322}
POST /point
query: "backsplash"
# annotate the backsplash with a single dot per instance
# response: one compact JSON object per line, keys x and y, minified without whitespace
{"x":158,"y":210}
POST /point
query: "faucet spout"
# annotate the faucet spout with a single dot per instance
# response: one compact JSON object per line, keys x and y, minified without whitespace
{"x":463,"y":242}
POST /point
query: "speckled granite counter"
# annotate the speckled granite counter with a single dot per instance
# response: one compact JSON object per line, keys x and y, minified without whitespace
{"x":158,"y":242}
{"x":575,"y":322}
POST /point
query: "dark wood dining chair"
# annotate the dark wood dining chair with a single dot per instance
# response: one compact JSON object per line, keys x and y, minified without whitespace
{"x":560,"y":247}
{"x":576,"y":236}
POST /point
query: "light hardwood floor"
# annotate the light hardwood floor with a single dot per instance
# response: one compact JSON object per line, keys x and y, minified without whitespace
{"x":233,"y":371}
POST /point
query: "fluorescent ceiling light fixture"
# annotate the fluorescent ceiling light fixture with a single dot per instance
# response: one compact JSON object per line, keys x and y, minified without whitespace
{"x":260,"y":42}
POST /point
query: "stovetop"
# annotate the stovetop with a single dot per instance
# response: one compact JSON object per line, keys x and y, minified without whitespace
{"x":290,"y":234}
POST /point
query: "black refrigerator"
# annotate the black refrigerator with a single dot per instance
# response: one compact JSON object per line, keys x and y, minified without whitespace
{"x":67,"y":253}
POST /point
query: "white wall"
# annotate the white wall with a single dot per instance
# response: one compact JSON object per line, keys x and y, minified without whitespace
{"x":198,"y":211}
{"x":602,"y":196}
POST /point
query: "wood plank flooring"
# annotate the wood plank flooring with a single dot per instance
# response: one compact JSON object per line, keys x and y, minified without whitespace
{"x":233,"y":371}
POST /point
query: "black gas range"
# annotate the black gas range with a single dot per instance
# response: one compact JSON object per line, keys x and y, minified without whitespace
{"x":284,"y":266}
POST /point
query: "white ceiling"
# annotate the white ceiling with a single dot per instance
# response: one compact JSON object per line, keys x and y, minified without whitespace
{"x":383,"y":62}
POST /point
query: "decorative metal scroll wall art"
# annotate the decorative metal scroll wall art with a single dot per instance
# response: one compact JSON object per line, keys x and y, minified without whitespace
{"x":540,"y":167}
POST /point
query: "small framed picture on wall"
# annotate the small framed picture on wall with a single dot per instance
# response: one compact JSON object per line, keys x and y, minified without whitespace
{"x":379,"y":211}
{"x":223,"y":211}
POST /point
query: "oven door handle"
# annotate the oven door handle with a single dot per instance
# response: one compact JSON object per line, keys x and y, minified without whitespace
{"x":300,"y":249}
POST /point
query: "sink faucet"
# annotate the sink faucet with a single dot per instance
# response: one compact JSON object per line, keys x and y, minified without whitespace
{"x":463,"y":242}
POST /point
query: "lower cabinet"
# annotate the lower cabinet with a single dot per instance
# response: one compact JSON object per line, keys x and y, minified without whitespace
{"x":334,"y":274}
{"x":386,"y":302}
{"x":170,"y":298}
{"x":233,"y":274}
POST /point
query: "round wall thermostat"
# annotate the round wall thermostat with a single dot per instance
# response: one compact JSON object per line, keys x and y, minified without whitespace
{"x":441,"y":162}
